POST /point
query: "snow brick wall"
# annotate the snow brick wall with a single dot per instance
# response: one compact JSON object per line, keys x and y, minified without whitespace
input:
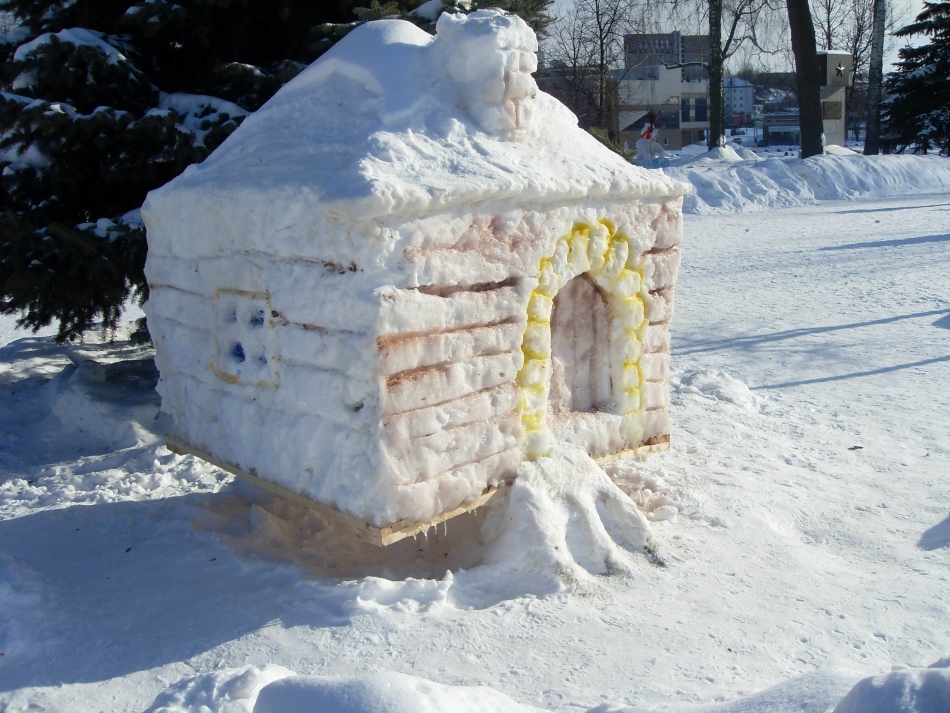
{"x":410,"y":271}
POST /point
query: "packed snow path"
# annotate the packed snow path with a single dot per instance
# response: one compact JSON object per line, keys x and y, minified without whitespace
{"x":802,"y":516}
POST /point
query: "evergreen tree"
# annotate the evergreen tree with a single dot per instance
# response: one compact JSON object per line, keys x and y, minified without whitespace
{"x":917,"y":109}
{"x":105,"y":100}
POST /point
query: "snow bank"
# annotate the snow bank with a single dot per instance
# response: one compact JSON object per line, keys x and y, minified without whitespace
{"x":96,"y":402}
{"x":274,"y":689}
{"x":231,"y":690}
{"x":384,"y":692}
{"x":727,"y":180}
{"x":560,"y":526}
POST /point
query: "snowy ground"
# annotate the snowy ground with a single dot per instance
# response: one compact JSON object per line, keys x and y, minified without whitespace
{"x":810,"y":545}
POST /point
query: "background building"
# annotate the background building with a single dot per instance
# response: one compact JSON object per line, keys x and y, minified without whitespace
{"x":738,"y":98}
{"x":664,"y":76}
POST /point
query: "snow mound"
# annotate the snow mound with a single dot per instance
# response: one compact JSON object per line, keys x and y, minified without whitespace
{"x":92,"y":411}
{"x":723,"y":153}
{"x":715,"y":385}
{"x":275,"y":689}
{"x":849,"y":177}
{"x":563,"y":522}
{"x":383,"y":692}
{"x":909,"y":690}
{"x":113,"y":405}
{"x":232,"y":690}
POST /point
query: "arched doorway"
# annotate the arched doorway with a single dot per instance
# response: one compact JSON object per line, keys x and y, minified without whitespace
{"x":580,"y":358}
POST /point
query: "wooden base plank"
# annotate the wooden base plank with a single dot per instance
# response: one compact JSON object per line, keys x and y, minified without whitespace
{"x":374,"y":535}
{"x":653,"y":445}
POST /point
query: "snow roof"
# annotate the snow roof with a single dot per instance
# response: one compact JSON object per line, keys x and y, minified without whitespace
{"x":393,"y":120}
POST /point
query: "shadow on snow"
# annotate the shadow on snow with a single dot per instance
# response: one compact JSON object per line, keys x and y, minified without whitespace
{"x":936,"y":537}
{"x":891,"y":243}
{"x":130,"y":586}
{"x":751,"y":341}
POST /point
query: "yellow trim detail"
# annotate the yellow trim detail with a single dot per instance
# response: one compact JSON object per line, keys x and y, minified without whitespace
{"x":579,"y":252}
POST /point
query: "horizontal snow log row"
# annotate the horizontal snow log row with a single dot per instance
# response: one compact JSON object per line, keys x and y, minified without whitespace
{"x":314,"y":293}
{"x":192,"y":352}
{"x":305,"y":453}
{"x":448,"y":266}
{"x":402,"y":354}
{"x":315,"y":346}
{"x":417,"y":389}
{"x":424,"y":458}
{"x":660,"y":269}
{"x":483,"y":405}
{"x":413,"y":312}
{"x":456,"y":486}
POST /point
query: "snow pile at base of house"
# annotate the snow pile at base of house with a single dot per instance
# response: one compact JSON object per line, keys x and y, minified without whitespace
{"x":563,"y":523}
{"x":730,"y":180}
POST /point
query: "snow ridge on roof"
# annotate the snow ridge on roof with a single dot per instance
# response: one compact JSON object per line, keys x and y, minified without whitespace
{"x":393,"y":120}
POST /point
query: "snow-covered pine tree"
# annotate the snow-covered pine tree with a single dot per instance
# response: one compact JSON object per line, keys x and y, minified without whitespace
{"x":106,"y":99}
{"x":917,"y":108}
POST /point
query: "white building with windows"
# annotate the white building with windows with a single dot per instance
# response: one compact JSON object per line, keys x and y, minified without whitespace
{"x":738,"y":98}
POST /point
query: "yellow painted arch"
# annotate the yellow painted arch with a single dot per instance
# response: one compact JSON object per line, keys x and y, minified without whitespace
{"x":603,"y":253}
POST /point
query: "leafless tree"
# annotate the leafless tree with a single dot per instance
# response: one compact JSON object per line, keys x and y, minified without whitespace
{"x":807,"y":76}
{"x":732,"y":24}
{"x":872,"y":140}
{"x":586,"y":50}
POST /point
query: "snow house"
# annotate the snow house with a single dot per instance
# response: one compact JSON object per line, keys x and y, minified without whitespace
{"x":407,"y":273}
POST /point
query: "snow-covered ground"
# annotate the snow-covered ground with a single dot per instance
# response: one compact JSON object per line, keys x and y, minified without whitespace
{"x":801,"y":518}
